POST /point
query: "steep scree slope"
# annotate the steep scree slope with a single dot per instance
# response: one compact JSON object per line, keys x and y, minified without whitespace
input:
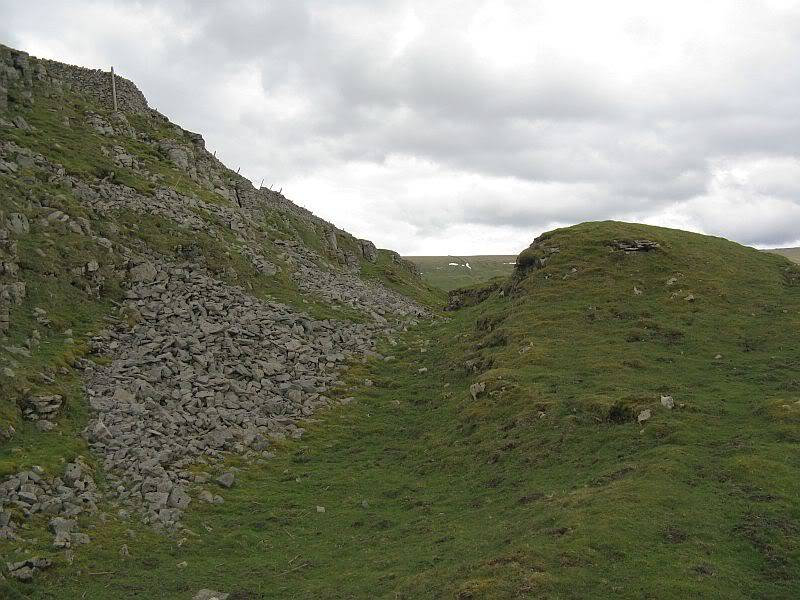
{"x":198,"y":315}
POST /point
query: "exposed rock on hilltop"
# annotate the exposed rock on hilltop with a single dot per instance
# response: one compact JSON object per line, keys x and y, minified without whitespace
{"x":21,"y":74}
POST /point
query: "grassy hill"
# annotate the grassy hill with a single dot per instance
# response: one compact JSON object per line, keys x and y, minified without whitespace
{"x":564,"y":476}
{"x":451,"y":272}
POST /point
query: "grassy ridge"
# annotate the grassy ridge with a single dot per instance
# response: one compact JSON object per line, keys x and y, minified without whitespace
{"x":439,"y":271}
{"x":546,"y":485}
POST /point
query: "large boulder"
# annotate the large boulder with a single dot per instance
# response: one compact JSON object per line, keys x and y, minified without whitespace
{"x":179,"y":157}
{"x":226,"y":480}
{"x":18,"y":223}
{"x":368,"y":250}
{"x":144,"y":272}
{"x":210,"y":595}
{"x":26,"y":569}
{"x":330,"y":236}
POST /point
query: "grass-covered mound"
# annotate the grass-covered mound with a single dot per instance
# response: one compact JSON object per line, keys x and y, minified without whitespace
{"x":581,"y":343}
{"x":545,"y":484}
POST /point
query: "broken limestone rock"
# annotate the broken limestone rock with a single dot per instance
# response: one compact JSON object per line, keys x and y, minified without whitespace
{"x":62,"y":529}
{"x":143,"y":273}
{"x":26,"y":569}
{"x":635,"y":245}
{"x":44,"y":425}
{"x":226,"y":480}
{"x":368,"y":250}
{"x":20,"y":123}
{"x":42,"y":407}
{"x":210,"y":498}
{"x":210,"y":595}
{"x":476,"y":389}
{"x":18,"y":223}
{"x":179,"y":498}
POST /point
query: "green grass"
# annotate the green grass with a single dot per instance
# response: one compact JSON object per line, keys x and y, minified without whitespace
{"x":47,"y":259}
{"x":545,"y":486}
{"x":439,"y":271}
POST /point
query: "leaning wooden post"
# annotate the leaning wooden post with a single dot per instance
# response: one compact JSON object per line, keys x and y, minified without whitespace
{"x":114,"y":89}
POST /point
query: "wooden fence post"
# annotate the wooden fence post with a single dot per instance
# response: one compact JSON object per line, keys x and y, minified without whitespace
{"x":114,"y":89}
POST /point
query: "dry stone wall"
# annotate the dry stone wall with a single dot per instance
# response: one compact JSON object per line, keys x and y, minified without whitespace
{"x":18,"y":70}
{"x":96,"y":84}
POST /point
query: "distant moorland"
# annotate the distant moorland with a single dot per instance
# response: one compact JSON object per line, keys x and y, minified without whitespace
{"x":792,"y":254}
{"x":451,"y":272}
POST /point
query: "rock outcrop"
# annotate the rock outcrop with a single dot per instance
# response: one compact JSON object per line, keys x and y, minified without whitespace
{"x":32,"y":492}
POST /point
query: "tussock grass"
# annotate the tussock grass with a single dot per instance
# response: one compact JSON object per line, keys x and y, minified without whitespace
{"x":545,"y":486}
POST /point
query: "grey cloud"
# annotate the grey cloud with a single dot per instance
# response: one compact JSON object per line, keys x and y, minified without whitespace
{"x":619,"y":141}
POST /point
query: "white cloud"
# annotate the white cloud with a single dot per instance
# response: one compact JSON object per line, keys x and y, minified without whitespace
{"x":469,"y":127}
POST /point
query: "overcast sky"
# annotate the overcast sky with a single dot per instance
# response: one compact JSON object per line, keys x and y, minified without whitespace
{"x":470,"y":127}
